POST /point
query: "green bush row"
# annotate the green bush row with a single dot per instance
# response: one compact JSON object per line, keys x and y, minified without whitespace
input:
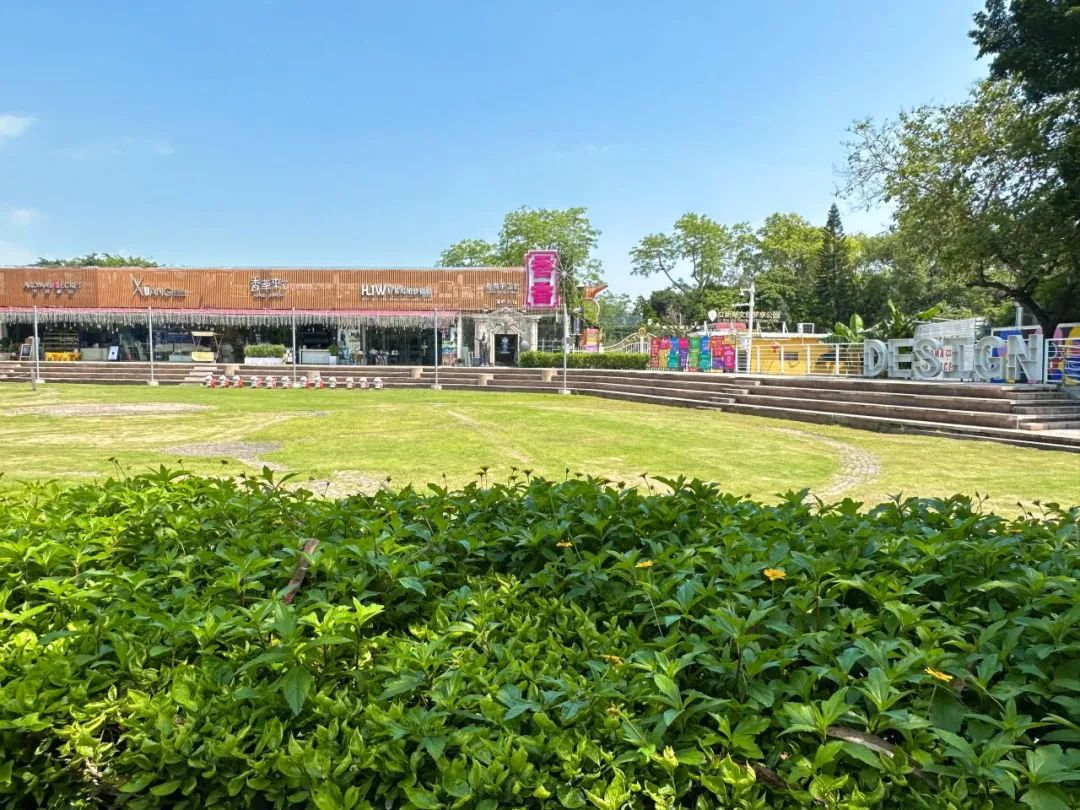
{"x":529,"y":645}
{"x":616,"y":360}
{"x":264,"y":350}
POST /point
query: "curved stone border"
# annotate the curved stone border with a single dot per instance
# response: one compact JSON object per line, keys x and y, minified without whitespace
{"x":857,"y":466}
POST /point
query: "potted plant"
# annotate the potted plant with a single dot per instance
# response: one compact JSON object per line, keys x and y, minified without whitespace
{"x":5,"y":348}
{"x":264,"y":354}
{"x":333,"y":348}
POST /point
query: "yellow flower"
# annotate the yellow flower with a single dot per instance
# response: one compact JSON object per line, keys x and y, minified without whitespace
{"x":944,"y":677}
{"x":774,"y":574}
{"x":644,"y":564}
{"x":613,"y":710}
{"x":563,"y":544}
{"x":614,"y":660}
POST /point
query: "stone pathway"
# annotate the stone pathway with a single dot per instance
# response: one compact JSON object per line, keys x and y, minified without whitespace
{"x":857,"y":466}
{"x":244,"y":452}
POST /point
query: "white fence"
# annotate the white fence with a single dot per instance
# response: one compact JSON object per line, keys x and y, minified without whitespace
{"x":806,"y":359}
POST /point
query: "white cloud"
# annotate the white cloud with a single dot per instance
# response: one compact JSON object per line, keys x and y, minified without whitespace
{"x":12,"y":126}
{"x":118,"y":147}
{"x":14,"y":254}
{"x":21,"y":217}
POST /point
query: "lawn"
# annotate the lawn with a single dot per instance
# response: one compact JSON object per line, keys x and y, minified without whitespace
{"x":343,"y":441}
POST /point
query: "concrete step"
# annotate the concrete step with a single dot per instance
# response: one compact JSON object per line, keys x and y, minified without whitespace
{"x":883,"y":425}
{"x":715,"y":403}
{"x":988,"y":404}
{"x":1065,"y":424}
{"x":884,"y":410}
{"x":932,"y":388}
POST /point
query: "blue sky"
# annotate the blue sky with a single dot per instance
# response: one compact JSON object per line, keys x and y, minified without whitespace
{"x":374,"y":134}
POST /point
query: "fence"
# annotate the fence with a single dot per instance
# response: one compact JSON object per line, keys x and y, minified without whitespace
{"x":1061,"y":361}
{"x":803,"y":359}
{"x":631,"y":344}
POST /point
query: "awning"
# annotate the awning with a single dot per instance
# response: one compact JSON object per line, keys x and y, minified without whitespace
{"x":347,"y":319}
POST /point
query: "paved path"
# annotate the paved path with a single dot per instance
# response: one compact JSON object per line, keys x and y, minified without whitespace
{"x":857,"y":466}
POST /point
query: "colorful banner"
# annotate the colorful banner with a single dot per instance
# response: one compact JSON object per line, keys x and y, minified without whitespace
{"x":542,"y":279}
{"x":590,"y":339}
{"x":704,"y":354}
{"x":671,"y":349}
{"x":1063,"y":355}
{"x":654,"y":353}
{"x":694,"y":356}
{"x":684,"y":352}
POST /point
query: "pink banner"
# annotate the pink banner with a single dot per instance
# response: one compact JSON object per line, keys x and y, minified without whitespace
{"x":542,"y":279}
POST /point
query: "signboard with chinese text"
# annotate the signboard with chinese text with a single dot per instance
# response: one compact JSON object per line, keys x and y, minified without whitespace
{"x":542,"y":279}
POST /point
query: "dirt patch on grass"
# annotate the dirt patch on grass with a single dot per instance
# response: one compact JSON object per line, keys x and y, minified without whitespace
{"x":343,"y":483}
{"x":244,"y":452}
{"x":132,"y":409}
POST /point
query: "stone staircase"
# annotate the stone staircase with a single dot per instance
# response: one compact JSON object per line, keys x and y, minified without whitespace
{"x":1039,"y":416}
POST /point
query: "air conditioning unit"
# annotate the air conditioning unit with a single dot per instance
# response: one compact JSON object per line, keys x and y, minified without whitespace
{"x":805,"y":328}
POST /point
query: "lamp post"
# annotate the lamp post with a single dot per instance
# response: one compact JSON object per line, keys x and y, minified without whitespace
{"x":435,"y":344}
{"x":565,"y":346}
{"x":36,"y":371}
{"x":150,"y":341}
{"x":294,"y":347}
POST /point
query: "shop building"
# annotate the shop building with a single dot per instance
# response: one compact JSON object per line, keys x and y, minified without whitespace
{"x":370,"y":316}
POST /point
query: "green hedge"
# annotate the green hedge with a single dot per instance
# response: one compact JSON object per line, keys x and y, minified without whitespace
{"x":264,"y":350}
{"x":536,"y":644}
{"x":583,"y":360}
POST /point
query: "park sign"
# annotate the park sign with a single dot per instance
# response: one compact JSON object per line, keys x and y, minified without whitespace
{"x":542,"y":279}
{"x":991,"y":358}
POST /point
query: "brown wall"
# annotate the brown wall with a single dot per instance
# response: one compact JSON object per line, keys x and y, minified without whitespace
{"x":231,"y":289}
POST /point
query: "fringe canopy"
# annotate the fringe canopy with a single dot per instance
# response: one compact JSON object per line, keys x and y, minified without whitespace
{"x":346,"y":319}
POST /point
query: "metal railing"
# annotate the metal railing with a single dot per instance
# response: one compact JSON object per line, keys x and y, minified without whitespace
{"x":802,"y":360}
{"x":631,"y":344}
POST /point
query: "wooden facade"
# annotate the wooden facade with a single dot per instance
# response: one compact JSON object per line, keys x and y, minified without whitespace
{"x":256,"y":291}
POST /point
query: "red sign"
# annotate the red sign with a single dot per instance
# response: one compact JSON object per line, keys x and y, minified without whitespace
{"x":542,"y":279}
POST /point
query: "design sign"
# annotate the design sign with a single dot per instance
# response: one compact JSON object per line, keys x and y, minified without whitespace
{"x":57,"y":287}
{"x":992,"y":358}
{"x":393,"y":291}
{"x":140,"y":290}
{"x":542,"y":279}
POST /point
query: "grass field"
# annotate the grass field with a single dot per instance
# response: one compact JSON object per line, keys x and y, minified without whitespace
{"x":343,"y":441}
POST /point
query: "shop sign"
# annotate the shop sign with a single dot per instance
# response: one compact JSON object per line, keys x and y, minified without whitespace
{"x":268,"y":287}
{"x":741,"y":315}
{"x":498,"y":288}
{"x":56,"y":287}
{"x":393,"y":291}
{"x":140,"y":290}
{"x":542,"y":279}
{"x":923,"y":358}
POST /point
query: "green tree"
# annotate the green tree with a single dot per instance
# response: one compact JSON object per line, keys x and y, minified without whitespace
{"x":783,"y":265}
{"x":98,"y":260}
{"x":567,"y":230}
{"x":470,"y":253}
{"x":701,"y":254}
{"x":834,"y":286}
{"x":977,"y":191}
{"x":1036,"y":41}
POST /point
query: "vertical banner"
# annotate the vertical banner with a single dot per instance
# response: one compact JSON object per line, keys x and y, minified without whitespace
{"x":654,"y":353}
{"x":542,"y":279}
{"x":716,"y":349}
{"x":705,"y":354}
{"x":694,"y":356}
{"x":591,"y":339}
{"x":684,"y":352}
{"x":669,"y":352}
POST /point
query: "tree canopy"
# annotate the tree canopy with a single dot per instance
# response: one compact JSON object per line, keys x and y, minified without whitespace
{"x":567,"y":230}
{"x":98,"y":260}
{"x":977,"y":189}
